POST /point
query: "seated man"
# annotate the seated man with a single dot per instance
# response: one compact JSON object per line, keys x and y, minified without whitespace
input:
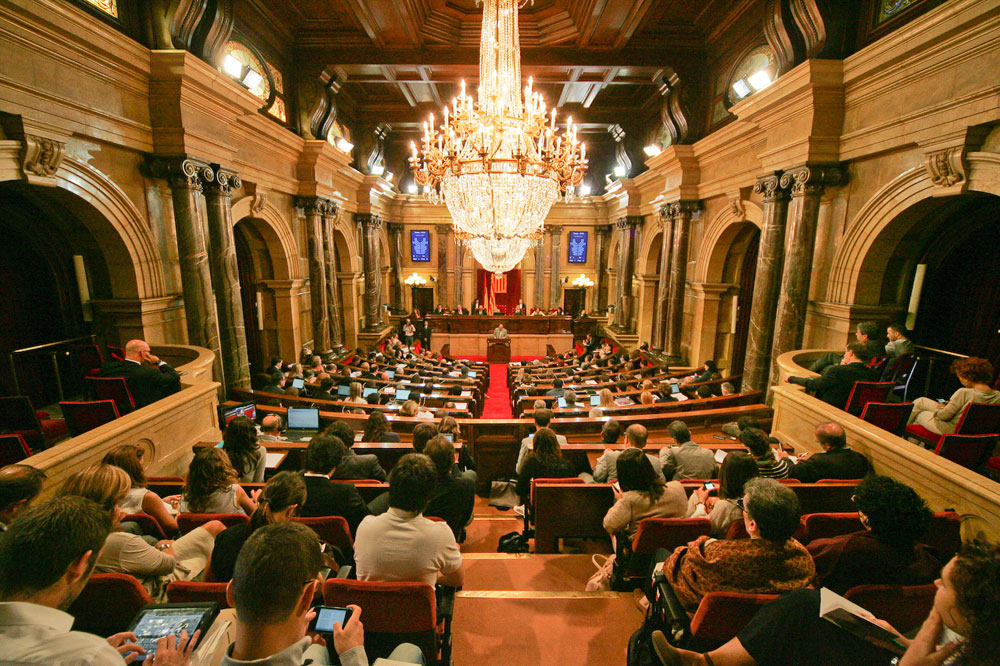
{"x":46,"y":558}
{"x":271,"y":428}
{"x":769,"y":562}
{"x":635,"y":436}
{"x":542,"y":419}
{"x":273,"y":587}
{"x":454,"y":496}
{"x":323,"y":496}
{"x":687,"y":460}
{"x":837,"y":461}
{"x":147,"y":377}
{"x":557,"y":389}
{"x":866,"y":333}
{"x":898,"y":343}
{"x":606,"y":467}
{"x":350,"y":465}
{"x":403,"y":545}
{"x":19,"y":486}
{"x":834,"y":385}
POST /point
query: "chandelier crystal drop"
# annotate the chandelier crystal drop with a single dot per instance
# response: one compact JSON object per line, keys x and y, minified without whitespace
{"x":498,"y":163}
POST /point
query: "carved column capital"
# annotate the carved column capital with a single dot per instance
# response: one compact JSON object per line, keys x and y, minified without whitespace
{"x":185,"y":173}
{"x":603,"y":229}
{"x":442,"y":229}
{"x":394,"y":228}
{"x":665,"y":214}
{"x":554,"y":230}
{"x":946,"y":168}
{"x":769,"y":185}
{"x":629,"y":221}
{"x":811,"y":180}
{"x":223,"y":181}
{"x":317,"y":206}
{"x":368,"y":220}
{"x":684,"y":209}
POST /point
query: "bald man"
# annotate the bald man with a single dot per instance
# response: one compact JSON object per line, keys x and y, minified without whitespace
{"x":148,"y":378}
{"x":836,"y":461}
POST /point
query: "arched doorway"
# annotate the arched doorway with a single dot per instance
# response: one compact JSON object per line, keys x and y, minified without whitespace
{"x":252,"y":271}
{"x":46,"y":245}
{"x":747,"y":280}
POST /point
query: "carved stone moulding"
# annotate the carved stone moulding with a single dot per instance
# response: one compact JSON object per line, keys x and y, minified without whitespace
{"x":946,"y":168}
{"x":811,"y":179}
{"x":42,"y":149}
{"x":182,"y":172}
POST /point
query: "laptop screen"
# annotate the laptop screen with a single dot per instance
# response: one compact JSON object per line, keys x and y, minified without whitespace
{"x":248,"y":410}
{"x":562,"y":402}
{"x":472,"y":373}
{"x":343,"y":390}
{"x":298,"y":383}
{"x":390,"y":373}
{"x":675,"y":388}
{"x":369,"y":391}
{"x":595,"y":400}
{"x":303,"y":418}
{"x":402,"y":394}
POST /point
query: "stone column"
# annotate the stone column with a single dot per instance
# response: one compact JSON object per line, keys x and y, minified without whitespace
{"x":370,"y":224}
{"x":626,"y":267}
{"x":459,"y":273}
{"x":663,"y":286}
{"x":600,"y":299}
{"x":226,"y":276}
{"x":681,"y":213}
{"x":807,"y":183}
{"x":555,"y":286}
{"x":185,"y":177}
{"x":396,"y":262}
{"x":316,"y":234}
{"x":443,"y":232}
{"x":766,"y":289}
{"x":540,"y":274}
{"x":329,"y":211}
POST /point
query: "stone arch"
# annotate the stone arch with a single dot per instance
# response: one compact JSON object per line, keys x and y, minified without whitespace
{"x":345,"y":240}
{"x":118,"y":226}
{"x":275,"y":231}
{"x":865,"y":246}
{"x":723,"y":230}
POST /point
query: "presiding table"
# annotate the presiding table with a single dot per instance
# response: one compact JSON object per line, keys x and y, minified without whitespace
{"x":468,"y":335}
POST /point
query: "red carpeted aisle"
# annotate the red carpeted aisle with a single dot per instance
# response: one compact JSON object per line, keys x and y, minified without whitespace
{"x":497,"y":405}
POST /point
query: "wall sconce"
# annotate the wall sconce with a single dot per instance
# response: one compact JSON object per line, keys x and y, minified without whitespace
{"x":415,"y":280}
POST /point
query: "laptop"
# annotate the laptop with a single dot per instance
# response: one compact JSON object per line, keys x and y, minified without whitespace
{"x":595,"y":400}
{"x":303,"y":423}
{"x":402,"y":395}
{"x":472,"y":373}
{"x":562,"y":402}
{"x":344,"y":391}
{"x":369,"y":391}
{"x":298,"y":383}
{"x":675,"y":388}
{"x":391,"y":373}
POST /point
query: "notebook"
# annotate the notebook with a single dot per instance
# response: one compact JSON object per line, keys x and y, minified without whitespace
{"x":302,"y":422}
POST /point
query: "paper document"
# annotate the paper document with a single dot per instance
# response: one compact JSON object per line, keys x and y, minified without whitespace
{"x":855,"y":619}
{"x":720,"y":455}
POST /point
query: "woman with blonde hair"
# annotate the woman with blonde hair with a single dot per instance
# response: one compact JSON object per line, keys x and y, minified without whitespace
{"x":128,"y":457}
{"x":155,"y":566}
{"x":355,"y":396}
{"x":607,"y":398}
{"x":212,"y":487}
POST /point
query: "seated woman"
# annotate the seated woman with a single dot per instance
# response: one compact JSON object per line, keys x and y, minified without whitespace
{"x":886,"y":552}
{"x":975,"y":374}
{"x":466,"y":464}
{"x":607,"y":398}
{"x":646,"y":398}
{"x":154,"y":566}
{"x":545,"y":462}
{"x":248,"y":458}
{"x":759,"y":444}
{"x":769,"y":562}
{"x":708,"y":372}
{"x":722,"y":509}
{"x":355,"y":395}
{"x":212,"y":487}
{"x":412,"y":408}
{"x":961,"y":629}
{"x":643,"y":494}
{"x":139,"y":500}
{"x":280,"y":501}
{"x":377,"y":429}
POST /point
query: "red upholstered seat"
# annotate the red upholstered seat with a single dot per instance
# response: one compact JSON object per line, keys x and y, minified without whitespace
{"x":827,"y":525}
{"x":864,"y":392}
{"x":113,"y":388}
{"x":108,"y":603}
{"x":890,"y":416}
{"x":332,"y":529}
{"x":978,"y":418}
{"x":392,"y":612}
{"x":971,"y":451}
{"x":656,"y":533}
{"x":13,"y":449}
{"x":721,"y":615}
{"x":904,"y":607}
{"x":188,"y":521}
{"x":85,"y":415}
{"x":18,"y":416}
{"x":147,"y":524}
{"x":188,"y":591}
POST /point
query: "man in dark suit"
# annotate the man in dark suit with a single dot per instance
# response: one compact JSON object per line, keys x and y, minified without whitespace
{"x":454,"y":495}
{"x":837,"y":461}
{"x":147,"y":377}
{"x":323,"y":393}
{"x":557,"y":390}
{"x":324,"y":497}
{"x":462,"y":310}
{"x":349,"y":465}
{"x":834,"y":385}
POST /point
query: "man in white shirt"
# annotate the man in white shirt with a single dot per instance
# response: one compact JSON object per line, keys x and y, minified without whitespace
{"x":46,"y":558}
{"x":403,"y":545}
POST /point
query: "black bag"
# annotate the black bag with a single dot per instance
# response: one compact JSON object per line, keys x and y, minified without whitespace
{"x":513,"y":542}
{"x":640,"y":647}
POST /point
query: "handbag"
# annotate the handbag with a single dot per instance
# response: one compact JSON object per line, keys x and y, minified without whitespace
{"x":601,"y":580}
{"x":513,"y":542}
{"x":503,"y":495}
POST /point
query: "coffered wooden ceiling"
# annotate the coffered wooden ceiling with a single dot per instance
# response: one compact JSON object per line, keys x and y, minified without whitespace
{"x":399,"y":60}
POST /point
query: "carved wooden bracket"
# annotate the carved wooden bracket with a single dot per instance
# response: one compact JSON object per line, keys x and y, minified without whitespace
{"x":828,"y":27}
{"x":675,"y":113}
{"x":41,"y":158}
{"x":378,"y":149}
{"x":214,"y":30}
{"x":317,"y":108}
{"x":783,"y":41}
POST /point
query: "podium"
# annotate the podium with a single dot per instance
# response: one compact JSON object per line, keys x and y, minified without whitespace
{"x":498,"y":350}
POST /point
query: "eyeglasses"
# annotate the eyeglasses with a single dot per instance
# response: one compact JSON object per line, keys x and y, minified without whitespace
{"x":740,"y":505}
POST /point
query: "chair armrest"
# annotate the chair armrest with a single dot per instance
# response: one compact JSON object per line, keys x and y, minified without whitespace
{"x":676,"y":619}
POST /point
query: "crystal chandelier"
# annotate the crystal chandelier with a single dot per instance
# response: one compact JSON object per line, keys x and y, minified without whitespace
{"x":498,"y":163}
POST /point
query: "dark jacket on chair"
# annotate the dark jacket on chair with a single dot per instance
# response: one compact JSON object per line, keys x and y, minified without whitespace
{"x":842,"y":463}
{"x":326,"y":498}
{"x":146,"y":383}
{"x":834,"y":385}
{"x":354,"y":466}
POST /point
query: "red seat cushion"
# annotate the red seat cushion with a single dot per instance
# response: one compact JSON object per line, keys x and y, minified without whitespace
{"x":993,"y":463}
{"x":918,"y":430}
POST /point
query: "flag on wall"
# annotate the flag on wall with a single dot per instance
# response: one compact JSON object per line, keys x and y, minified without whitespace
{"x":499,"y":283}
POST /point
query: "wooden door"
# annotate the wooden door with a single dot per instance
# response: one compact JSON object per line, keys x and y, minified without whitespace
{"x":574,"y":301}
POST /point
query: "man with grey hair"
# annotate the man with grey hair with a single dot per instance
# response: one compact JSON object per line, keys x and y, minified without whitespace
{"x":836,"y":461}
{"x":687,"y":460}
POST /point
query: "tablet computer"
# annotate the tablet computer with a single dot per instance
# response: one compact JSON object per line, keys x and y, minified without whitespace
{"x":158,"y":620}
{"x":298,"y":383}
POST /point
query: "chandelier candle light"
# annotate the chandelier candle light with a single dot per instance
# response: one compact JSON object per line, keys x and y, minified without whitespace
{"x":498,"y":164}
